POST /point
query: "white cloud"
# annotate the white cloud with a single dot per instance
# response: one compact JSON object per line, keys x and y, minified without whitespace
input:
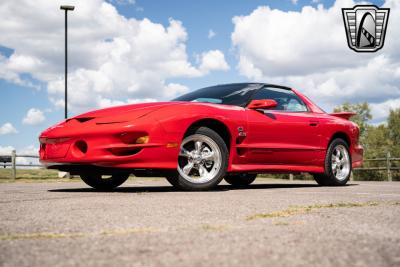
{"x":213,"y":60}
{"x":211,"y":34}
{"x":309,"y":51}
{"x":294,"y":2}
{"x":6,"y":150}
{"x":34,"y":117}
{"x":111,"y":58}
{"x":381,"y":110}
{"x":175,"y":89}
{"x":29,"y":150}
{"x":7,"y":128}
{"x":122,"y":2}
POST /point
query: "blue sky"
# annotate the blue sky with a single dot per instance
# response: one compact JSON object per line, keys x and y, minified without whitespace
{"x":31,"y":56}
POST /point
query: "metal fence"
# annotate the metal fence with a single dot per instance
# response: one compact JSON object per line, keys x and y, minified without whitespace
{"x":12,"y":162}
{"x":388,"y":166}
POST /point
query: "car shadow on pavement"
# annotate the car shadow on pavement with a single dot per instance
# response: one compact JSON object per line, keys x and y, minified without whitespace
{"x":163,"y":189}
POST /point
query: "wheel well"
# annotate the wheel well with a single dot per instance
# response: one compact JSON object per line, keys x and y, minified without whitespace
{"x":341,"y":135}
{"x":214,"y":125}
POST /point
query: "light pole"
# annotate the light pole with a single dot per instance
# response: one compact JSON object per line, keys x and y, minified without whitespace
{"x":66,"y":8}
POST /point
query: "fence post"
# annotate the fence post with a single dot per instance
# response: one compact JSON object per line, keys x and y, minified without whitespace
{"x":389,"y":173}
{"x":291,"y":176}
{"x":13,"y":164}
{"x":351,"y":176}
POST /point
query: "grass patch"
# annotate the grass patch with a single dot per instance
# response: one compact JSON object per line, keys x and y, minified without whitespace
{"x":45,"y":235}
{"x":210,"y":227}
{"x":281,"y":223}
{"x":36,"y":174}
{"x":295,"y":210}
{"x":45,"y":175}
{"x":40,"y":236}
{"x":128,"y":231}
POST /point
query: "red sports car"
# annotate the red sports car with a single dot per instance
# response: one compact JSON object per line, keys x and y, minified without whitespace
{"x":231,"y":132}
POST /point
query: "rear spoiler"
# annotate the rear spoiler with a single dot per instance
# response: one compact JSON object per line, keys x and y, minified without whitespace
{"x":343,"y":115}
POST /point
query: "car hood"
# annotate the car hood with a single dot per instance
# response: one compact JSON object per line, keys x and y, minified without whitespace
{"x":123,"y":113}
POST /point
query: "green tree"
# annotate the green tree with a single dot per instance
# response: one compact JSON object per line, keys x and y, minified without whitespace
{"x":393,"y":123}
{"x":377,"y":142}
{"x":363,"y":112}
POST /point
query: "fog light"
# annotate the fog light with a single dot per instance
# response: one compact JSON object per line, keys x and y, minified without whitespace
{"x":142,"y":140}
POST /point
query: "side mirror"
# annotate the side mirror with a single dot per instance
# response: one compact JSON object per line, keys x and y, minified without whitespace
{"x":262,"y":104}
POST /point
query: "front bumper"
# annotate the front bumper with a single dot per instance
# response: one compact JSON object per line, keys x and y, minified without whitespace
{"x":110,"y":145}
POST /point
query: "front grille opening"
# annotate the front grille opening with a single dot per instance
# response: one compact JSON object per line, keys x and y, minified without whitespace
{"x":81,"y":146}
{"x":124,"y":151}
{"x":79,"y":149}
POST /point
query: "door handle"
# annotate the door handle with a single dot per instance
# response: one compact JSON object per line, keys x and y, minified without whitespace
{"x":314,"y":123}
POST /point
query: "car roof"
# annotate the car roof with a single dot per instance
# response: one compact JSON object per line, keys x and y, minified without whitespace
{"x":260,"y":84}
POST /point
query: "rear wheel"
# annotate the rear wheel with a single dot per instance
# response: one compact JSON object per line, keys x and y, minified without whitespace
{"x":240,"y":179}
{"x":337,"y":165}
{"x":202,"y":161}
{"x":104,"y":182}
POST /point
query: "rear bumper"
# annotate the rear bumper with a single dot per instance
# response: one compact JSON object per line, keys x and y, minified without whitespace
{"x":357,"y":156}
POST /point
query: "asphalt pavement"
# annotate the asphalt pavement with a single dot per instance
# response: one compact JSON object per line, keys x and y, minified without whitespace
{"x":148,"y":223}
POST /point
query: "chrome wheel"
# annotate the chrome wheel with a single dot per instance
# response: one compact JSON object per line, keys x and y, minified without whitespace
{"x":200,"y":159}
{"x":340,"y":162}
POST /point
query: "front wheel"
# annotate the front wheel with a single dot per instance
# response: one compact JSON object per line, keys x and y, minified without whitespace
{"x":241,"y":179}
{"x":202,"y":161}
{"x":337,"y":165}
{"x":104,"y":182}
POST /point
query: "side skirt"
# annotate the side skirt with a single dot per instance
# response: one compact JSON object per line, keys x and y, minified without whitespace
{"x":275,"y":168}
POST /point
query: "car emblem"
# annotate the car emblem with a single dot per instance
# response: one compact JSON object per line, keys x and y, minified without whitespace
{"x":241,"y":131}
{"x":365,"y":27}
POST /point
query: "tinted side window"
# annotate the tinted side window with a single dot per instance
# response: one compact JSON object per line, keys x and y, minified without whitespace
{"x":287,"y":100}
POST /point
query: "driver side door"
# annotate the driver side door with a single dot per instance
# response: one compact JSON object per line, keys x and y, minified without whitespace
{"x":286,"y":135}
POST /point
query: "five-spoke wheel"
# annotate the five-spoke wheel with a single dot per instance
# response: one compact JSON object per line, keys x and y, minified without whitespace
{"x":202,"y":160}
{"x":340,"y":162}
{"x":199,"y":158}
{"x":337,"y":164}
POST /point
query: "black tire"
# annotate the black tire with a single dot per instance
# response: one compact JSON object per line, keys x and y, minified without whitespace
{"x":240,"y":179}
{"x":173,"y":180}
{"x":179,"y":182}
{"x":328,"y":178}
{"x":97,"y":181}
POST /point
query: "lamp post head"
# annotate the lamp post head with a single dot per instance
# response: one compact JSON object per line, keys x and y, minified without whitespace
{"x":67,"y":8}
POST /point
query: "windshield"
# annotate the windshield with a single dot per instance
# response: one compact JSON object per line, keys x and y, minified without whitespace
{"x":229,"y":94}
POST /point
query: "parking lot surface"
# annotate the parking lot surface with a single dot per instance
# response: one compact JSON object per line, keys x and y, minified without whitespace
{"x":148,"y":223}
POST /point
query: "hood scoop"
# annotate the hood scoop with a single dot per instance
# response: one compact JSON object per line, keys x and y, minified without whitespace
{"x":80,"y":119}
